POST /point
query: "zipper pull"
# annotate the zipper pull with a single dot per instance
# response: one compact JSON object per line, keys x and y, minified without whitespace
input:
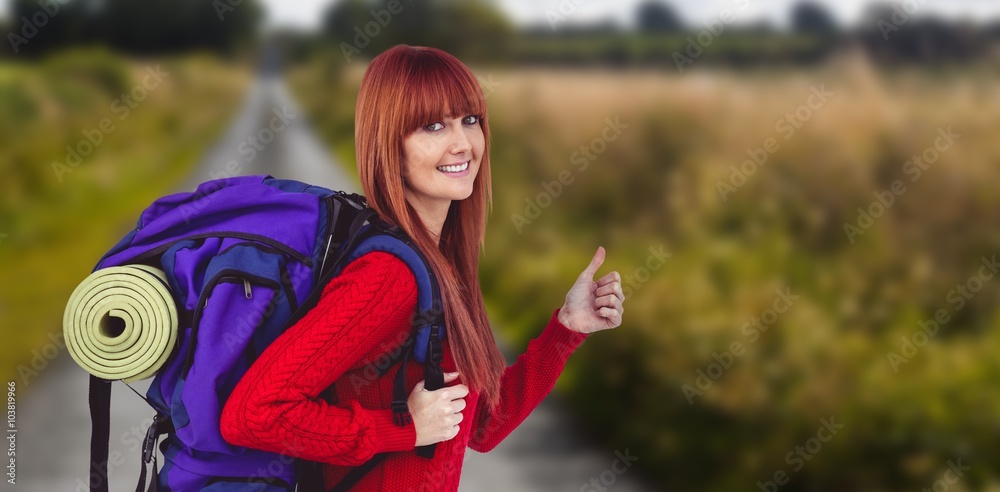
{"x":246,"y":288}
{"x":325,"y":253}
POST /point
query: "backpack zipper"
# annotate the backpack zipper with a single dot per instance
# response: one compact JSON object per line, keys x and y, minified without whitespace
{"x":228,"y":273}
{"x":286,"y":278}
{"x":241,"y":235}
{"x":246,"y":287}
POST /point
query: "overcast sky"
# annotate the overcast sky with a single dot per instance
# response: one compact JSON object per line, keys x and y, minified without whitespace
{"x":306,"y":13}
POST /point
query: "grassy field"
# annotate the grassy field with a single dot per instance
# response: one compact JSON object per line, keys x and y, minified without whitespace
{"x":134,"y":129}
{"x":796,"y":296}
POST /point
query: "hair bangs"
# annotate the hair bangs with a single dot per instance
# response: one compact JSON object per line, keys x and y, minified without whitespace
{"x":438,"y":88}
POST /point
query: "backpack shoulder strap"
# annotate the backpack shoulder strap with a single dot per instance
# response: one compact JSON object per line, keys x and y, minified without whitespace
{"x":428,"y":293}
{"x":428,"y":325}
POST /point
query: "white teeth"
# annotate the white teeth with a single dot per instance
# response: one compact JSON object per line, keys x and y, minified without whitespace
{"x":454,"y":169}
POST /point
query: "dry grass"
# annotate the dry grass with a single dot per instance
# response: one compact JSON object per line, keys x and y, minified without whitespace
{"x":827,"y":355}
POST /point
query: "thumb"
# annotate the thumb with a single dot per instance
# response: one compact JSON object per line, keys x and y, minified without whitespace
{"x":450,"y":376}
{"x":418,"y":387}
{"x":595,"y":264}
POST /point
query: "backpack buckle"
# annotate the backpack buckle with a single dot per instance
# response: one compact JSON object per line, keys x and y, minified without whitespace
{"x":427,"y":317}
{"x":401,"y":413}
{"x":359,"y":202}
{"x":149,"y":443}
{"x":393,"y":229}
{"x":435,"y":349}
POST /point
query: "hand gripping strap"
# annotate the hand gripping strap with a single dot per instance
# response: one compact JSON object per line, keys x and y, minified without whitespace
{"x":428,"y":323}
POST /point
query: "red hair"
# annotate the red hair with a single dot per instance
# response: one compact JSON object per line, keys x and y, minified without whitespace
{"x":403,"y":89}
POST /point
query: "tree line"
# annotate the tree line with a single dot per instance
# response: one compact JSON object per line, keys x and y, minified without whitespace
{"x":478,"y":31}
{"x":144,"y":27}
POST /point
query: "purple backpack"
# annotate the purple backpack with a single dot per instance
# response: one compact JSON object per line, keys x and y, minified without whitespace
{"x":260,"y":250}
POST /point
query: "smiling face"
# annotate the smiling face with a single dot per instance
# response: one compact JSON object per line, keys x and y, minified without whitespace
{"x":441,"y":161}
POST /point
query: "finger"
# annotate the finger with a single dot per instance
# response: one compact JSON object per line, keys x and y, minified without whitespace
{"x":458,"y":406}
{"x":609,"y":313}
{"x":455,"y":392}
{"x":608,"y":278}
{"x":595,"y":263}
{"x":450,"y":393}
{"x":419,"y":386}
{"x":613,"y":288}
{"x":450,"y":376}
{"x":609,"y":300}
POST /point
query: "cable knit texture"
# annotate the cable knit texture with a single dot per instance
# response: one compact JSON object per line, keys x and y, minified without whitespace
{"x":315,"y":392}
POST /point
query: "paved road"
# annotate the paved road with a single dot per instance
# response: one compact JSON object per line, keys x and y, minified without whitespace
{"x":546,"y":453}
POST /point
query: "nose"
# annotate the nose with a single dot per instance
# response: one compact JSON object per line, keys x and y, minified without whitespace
{"x":460,"y":144}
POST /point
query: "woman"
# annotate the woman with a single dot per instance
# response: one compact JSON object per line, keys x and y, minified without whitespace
{"x":422,"y":138}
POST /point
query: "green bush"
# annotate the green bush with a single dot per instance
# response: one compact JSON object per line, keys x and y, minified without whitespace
{"x":860,"y":298}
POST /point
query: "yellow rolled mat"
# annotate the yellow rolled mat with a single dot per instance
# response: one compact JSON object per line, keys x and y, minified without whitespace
{"x":121,"y":322}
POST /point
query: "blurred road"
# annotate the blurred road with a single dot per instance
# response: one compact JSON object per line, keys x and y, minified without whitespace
{"x":546,"y":453}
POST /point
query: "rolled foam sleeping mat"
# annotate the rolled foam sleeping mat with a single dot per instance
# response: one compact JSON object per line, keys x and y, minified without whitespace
{"x":121,"y":322}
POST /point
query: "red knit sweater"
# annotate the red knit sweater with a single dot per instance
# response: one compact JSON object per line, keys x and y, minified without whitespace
{"x":363,"y":314}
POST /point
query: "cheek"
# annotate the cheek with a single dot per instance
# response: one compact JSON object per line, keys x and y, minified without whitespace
{"x":479,"y":141}
{"x":418,"y":151}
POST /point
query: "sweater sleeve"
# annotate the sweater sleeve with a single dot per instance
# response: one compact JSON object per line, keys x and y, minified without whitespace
{"x":524,"y":384}
{"x":276,"y":406}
